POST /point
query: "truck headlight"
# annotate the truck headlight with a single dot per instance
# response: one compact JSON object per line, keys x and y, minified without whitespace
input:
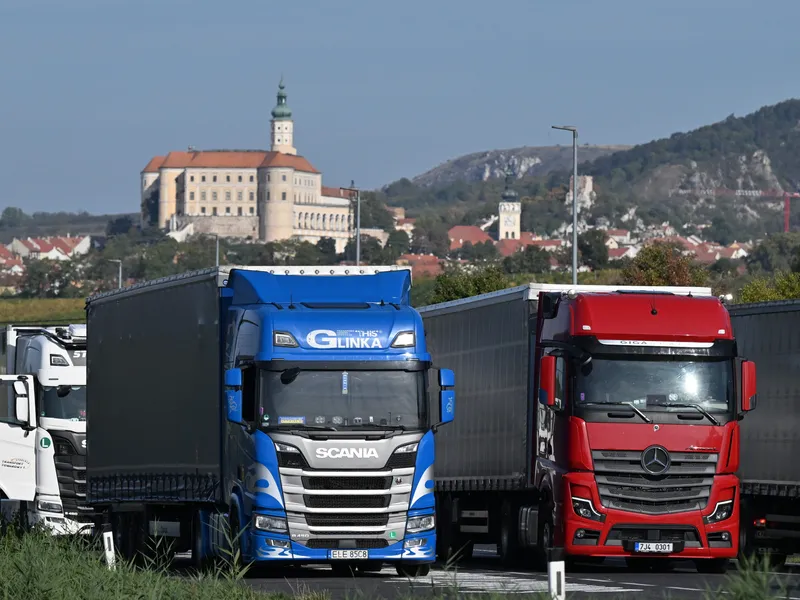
{"x":407,"y":449}
{"x":284,"y":339}
{"x":267,"y":523}
{"x":417,"y":524}
{"x":45,"y":506}
{"x":722,"y":511}
{"x":585,"y":509}
{"x":286,"y":448}
{"x":404,"y":339}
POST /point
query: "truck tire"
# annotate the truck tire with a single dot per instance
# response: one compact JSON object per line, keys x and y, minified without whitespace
{"x":717,"y":566}
{"x":444,"y":529}
{"x":413,"y":571}
{"x":508,"y":546}
{"x":545,"y":537}
{"x":200,"y":561}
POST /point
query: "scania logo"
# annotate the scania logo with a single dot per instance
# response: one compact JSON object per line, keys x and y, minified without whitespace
{"x":346,"y":453}
{"x":655,"y":460}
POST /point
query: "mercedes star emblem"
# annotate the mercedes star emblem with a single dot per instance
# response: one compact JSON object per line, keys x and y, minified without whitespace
{"x":655,"y":460}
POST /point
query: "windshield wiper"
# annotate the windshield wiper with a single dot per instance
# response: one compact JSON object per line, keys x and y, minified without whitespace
{"x":630,"y":405}
{"x":698,"y":408}
{"x":301,"y":426}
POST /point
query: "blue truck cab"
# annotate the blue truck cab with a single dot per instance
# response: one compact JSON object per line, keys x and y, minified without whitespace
{"x":329,"y":409}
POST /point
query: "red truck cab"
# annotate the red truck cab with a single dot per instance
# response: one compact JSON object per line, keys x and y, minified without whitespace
{"x":640,"y":398}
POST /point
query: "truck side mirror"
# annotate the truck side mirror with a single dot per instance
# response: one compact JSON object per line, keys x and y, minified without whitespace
{"x":21,"y":407}
{"x":749,"y":391}
{"x":233,"y":397}
{"x":547,"y":381}
{"x":447,"y":396}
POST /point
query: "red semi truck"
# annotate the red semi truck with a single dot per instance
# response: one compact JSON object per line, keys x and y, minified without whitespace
{"x":603,"y":420}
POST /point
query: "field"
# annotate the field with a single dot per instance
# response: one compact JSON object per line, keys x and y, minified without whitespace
{"x":42,"y":311}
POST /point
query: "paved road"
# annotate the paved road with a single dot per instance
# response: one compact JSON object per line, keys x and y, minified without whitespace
{"x":484,"y":576}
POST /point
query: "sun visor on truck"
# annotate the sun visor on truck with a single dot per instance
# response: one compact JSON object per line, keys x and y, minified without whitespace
{"x":259,"y":287}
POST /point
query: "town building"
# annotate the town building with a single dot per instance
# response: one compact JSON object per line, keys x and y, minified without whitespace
{"x":264,"y":195}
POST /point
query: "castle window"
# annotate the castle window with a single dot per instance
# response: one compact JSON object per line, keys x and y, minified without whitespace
{"x":239,"y":195}
{"x":240,"y":211}
{"x":227,"y":178}
{"x":202,"y":210}
{"x":214,"y":178}
{"x":203,"y":178}
{"x":191,"y":195}
{"x":284,"y":177}
{"x":214,"y":211}
{"x":240,"y":179}
{"x":251,"y":179}
{"x":214,"y":196}
{"x":267,"y":195}
{"x":251,"y":210}
{"x":283,"y":195}
{"x":227,"y":196}
{"x":191,"y":178}
{"x":252,"y":196}
{"x":202,"y":196}
{"x":227,"y":210}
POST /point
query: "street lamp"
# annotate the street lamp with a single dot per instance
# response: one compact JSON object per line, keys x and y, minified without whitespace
{"x":119,"y":277}
{"x":574,"y":131}
{"x":353,"y":188}
{"x":216,"y":260}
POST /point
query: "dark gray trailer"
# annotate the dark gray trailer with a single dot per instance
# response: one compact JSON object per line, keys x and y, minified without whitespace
{"x":769,"y":334}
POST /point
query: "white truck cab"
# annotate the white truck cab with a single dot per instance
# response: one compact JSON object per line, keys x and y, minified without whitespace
{"x":55,"y":360}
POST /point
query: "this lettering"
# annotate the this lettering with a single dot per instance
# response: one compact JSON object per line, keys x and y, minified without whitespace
{"x":347,"y":453}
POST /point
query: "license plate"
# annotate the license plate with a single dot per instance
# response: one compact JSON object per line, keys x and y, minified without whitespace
{"x":655,"y":548}
{"x":349,"y":554}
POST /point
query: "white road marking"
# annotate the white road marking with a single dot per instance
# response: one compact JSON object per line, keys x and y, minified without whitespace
{"x":491,"y":581}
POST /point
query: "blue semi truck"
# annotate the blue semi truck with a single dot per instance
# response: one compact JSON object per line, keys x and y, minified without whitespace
{"x":283,"y":412}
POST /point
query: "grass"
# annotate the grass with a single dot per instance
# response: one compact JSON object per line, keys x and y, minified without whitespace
{"x":36,"y":566}
{"x":35,"y":311}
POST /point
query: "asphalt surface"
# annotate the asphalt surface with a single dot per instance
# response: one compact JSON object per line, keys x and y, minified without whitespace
{"x":483,"y":575}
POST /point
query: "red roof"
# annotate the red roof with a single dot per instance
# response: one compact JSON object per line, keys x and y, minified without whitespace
{"x":616,"y":253}
{"x":406,"y":221}
{"x":460,"y":234}
{"x":154,"y":165}
{"x":5,"y":253}
{"x":235,"y":159}
{"x":336,"y":192}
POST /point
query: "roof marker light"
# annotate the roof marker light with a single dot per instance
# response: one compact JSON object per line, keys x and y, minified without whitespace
{"x":587,"y":327}
{"x":721,"y":332}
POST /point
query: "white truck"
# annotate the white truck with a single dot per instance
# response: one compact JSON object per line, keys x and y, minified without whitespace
{"x":54,"y":491}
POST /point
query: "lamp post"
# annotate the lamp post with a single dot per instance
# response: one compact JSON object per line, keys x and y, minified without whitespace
{"x":119,"y":276}
{"x":353,"y":188}
{"x":574,"y":131}
{"x":216,"y":259}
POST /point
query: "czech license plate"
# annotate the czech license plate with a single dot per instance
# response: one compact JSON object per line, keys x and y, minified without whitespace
{"x":655,"y":548}
{"x":349,"y":554}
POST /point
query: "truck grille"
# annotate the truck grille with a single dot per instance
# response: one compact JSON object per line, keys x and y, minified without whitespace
{"x":71,"y":472}
{"x":337,"y":520}
{"x":624,"y":484}
{"x":322,"y":543}
{"x":346,"y":501}
{"x":347,"y":483}
{"x":294,"y":460}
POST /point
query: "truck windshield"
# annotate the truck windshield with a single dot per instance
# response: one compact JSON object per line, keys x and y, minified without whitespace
{"x":656,"y":384}
{"x":63,"y":402}
{"x":343,"y":399}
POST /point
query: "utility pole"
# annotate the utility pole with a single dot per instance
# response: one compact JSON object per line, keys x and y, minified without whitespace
{"x":353,"y":188}
{"x":216,"y":260}
{"x":574,"y":131}
{"x":119,"y":275}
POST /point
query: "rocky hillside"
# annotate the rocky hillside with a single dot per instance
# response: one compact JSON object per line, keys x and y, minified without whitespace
{"x":725,"y":180}
{"x":528,"y":161}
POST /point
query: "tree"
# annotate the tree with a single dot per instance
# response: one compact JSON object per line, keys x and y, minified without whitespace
{"x":372,"y":253}
{"x":397,"y":244}
{"x":13,"y":217}
{"x":119,"y":226}
{"x":776,"y":253}
{"x":458,"y":283}
{"x":327,"y":250}
{"x":663,"y":264}
{"x":531,"y":260}
{"x":593,"y":249}
{"x":781,"y":286}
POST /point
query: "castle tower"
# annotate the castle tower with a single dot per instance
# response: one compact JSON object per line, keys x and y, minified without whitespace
{"x":510,"y":211}
{"x":281,"y":125}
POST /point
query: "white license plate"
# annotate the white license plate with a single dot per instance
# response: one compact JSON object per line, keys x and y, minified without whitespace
{"x":656,"y":548}
{"x":349,"y":554}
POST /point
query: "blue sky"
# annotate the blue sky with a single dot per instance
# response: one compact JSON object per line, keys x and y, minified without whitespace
{"x":91,"y":89}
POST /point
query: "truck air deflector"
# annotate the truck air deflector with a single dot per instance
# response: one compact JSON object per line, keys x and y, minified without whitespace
{"x":716,"y":349}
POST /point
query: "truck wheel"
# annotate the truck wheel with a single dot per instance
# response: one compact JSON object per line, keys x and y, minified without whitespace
{"x":508,"y":548}
{"x":717,"y":566}
{"x":545,"y":539}
{"x":413,"y":571}
{"x":200,"y":561}
{"x":444,"y":529}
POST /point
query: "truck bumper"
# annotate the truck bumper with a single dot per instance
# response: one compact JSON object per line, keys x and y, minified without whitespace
{"x":58,"y":524}
{"x":615,"y":533}
{"x":269,"y":547}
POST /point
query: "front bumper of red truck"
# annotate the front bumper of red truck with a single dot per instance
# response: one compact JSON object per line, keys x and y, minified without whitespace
{"x":593,"y":530}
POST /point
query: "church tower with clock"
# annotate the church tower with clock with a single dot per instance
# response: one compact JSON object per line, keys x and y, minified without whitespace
{"x":510,"y":211}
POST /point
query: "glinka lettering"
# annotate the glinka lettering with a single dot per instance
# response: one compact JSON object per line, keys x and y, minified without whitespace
{"x":327,"y":339}
{"x":347,"y":453}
